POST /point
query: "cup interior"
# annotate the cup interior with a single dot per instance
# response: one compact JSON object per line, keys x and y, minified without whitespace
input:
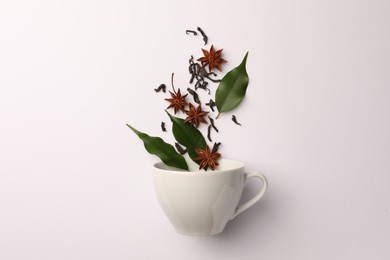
{"x":224,"y":165}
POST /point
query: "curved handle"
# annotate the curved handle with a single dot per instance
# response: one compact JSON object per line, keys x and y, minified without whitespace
{"x":255,"y":199}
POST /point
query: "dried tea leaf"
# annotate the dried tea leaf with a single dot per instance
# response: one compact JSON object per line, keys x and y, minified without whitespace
{"x":209,"y":133}
{"x":161,"y":87}
{"x":194,"y":94}
{"x":180,"y":149}
{"x":163,"y":127}
{"x":234,"y":119}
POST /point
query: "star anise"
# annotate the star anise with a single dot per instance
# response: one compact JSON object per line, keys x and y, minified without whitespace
{"x":212,"y":58}
{"x":178,"y":102}
{"x":195,"y":115}
{"x":207,"y":158}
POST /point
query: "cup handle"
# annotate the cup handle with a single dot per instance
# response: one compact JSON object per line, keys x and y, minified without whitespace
{"x":255,"y":199}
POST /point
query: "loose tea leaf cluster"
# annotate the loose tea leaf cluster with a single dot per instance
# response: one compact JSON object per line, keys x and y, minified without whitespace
{"x":228,"y":95}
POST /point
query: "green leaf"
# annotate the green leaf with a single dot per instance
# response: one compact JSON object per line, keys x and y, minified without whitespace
{"x":187,"y":135}
{"x":165,"y":151}
{"x":232,"y":88}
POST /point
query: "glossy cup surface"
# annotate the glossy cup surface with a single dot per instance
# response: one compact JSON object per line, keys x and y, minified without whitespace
{"x":199,"y":203}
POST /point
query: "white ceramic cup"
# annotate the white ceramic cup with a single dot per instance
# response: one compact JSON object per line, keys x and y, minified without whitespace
{"x":201,"y":203}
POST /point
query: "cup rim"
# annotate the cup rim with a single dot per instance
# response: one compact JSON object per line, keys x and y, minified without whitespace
{"x":162,"y":167}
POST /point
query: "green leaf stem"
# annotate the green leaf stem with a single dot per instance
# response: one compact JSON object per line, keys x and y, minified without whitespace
{"x":232,"y":88}
{"x":165,"y":151}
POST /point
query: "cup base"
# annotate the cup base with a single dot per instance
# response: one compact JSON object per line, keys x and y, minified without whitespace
{"x":195,"y":233}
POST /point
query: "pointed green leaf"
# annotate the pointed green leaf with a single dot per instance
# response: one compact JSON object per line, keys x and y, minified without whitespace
{"x":187,"y":135}
{"x":232,"y":88}
{"x":165,"y":151}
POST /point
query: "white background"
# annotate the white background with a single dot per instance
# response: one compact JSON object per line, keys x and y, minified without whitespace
{"x":75,"y":183}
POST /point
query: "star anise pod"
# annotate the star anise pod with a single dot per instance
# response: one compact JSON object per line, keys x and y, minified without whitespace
{"x":178,"y":102}
{"x":195,"y":115}
{"x":212,"y":58}
{"x":207,"y":158}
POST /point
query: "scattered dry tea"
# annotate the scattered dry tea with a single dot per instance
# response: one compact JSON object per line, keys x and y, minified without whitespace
{"x":211,"y":104}
{"x":161,"y":87}
{"x":163,"y":127}
{"x":205,"y":38}
{"x":209,"y":133}
{"x":180,"y":149}
{"x":212,"y":124}
{"x":194,"y":95}
{"x":234,"y":119}
{"x":191,"y":31}
{"x":215,"y":147}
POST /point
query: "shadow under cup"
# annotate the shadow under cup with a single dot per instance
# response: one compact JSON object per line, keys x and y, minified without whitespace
{"x":201,"y":203}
